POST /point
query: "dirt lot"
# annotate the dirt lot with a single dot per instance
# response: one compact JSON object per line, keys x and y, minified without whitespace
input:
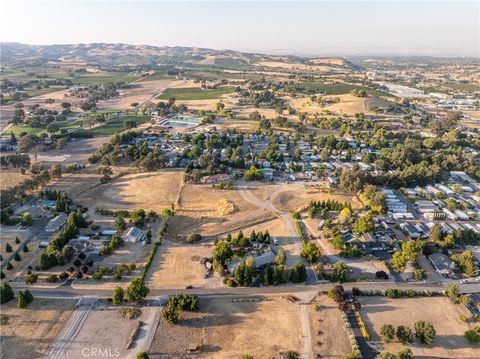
{"x":105,"y":328}
{"x":323,"y":323}
{"x":227,"y":329}
{"x":30,"y":331}
{"x":300,"y":66}
{"x":140,"y":92}
{"x":75,"y":151}
{"x":443,"y":315}
{"x":177,"y":265}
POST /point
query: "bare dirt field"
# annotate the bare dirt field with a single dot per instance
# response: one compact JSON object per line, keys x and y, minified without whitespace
{"x":139,"y":92}
{"x":75,"y":151}
{"x":32,"y":330}
{"x":178,"y":265}
{"x":105,"y":328}
{"x":227,"y":329}
{"x":329,"y":336}
{"x":443,"y":315}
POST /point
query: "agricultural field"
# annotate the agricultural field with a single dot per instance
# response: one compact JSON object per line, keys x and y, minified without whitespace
{"x":338,"y":88}
{"x":439,"y":311}
{"x":222,"y":328}
{"x":104,"y":77}
{"x":181,"y":94}
{"x":31,"y":331}
{"x":115,"y":124}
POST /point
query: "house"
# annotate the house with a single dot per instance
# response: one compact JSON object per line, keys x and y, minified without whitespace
{"x":134,"y":235}
{"x":267,"y":173}
{"x":260,"y":261}
{"x":218,"y":178}
{"x":442,"y":263}
{"x":56,"y":223}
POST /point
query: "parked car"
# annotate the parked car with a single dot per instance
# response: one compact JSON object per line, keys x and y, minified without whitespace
{"x":463,"y":281}
{"x":275,"y":241}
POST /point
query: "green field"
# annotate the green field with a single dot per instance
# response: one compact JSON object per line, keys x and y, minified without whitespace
{"x":105,"y":77}
{"x":463,"y":87}
{"x":339,"y":88}
{"x":115,"y":124}
{"x":110,"y":127}
{"x":195,"y":93}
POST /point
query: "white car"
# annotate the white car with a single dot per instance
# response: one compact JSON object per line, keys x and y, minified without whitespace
{"x":275,"y":241}
{"x":477,"y":279}
{"x":463,"y":281}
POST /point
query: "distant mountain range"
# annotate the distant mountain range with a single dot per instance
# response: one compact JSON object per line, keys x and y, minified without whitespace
{"x":122,"y":54}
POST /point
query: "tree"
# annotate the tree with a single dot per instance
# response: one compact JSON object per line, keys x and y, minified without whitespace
{"x":244,"y":272}
{"x":21,"y":301}
{"x":253,"y":174}
{"x":280,"y":274}
{"x":247,"y":356}
{"x":267,"y":275}
{"x":310,"y":252}
{"x":473,"y":336}
{"x":452,"y":291}
{"x":27,"y":219}
{"x":170,"y":314}
{"x":136,"y":290}
{"x":28,"y":296}
{"x":364,"y":224}
{"x":280,"y":257}
{"x":149,"y":236}
{"x":17,"y":257}
{"x":8,"y":248}
{"x":298,"y":273}
{"x":55,"y":171}
{"x":340,"y":272}
{"x":387,"y":332}
{"x":6,"y":293}
{"x":119,"y":223}
{"x":386,"y":355}
{"x":118,"y":295}
{"x":398,"y":261}
{"x":291,"y":354}
{"x":142,"y":355}
{"x":405,"y":334}
{"x":405,"y":354}
{"x":425,"y":332}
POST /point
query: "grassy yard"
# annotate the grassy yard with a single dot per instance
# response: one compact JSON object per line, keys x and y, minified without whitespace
{"x":339,"y":88}
{"x":186,"y":94}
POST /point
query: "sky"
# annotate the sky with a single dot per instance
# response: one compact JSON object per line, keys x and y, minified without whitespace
{"x":437,"y":28}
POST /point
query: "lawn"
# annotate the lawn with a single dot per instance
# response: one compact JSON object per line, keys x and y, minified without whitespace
{"x":115,"y":125}
{"x":339,"y":88}
{"x":186,"y":94}
{"x":18,"y":129}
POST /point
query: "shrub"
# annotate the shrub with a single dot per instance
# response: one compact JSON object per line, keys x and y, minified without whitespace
{"x":194,"y":237}
{"x":387,"y":332}
{"x":31,"y":278}
{"x":425,"y":332}
{"x":6,"y":293}
{"x":52,"y":278}
{"x":21,"y":301}
{"x":472,"y":336}
{"x":405,"y":334}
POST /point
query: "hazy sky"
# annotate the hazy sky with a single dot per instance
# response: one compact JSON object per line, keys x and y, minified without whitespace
{"x":320,"y":27}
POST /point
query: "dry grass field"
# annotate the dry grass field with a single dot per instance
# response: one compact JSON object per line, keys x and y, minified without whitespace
{"x":11,"y":177}
{"x":149,"y":190}
{"x":300,"y":66}
{"x":291,"y":200}
{"x":227,"y":329}
{"x":202,"y":216}
{"x":443,"y":315}
{"x":178,"y":265}
{"x":31,"y":331}
{"x":348,"y":104}
{"x":329,"y":337}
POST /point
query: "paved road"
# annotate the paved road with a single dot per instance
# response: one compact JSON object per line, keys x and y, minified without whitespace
{"x":367,"y":351}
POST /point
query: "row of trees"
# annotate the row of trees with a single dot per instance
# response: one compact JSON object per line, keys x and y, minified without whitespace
{"x":423,"y":331}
